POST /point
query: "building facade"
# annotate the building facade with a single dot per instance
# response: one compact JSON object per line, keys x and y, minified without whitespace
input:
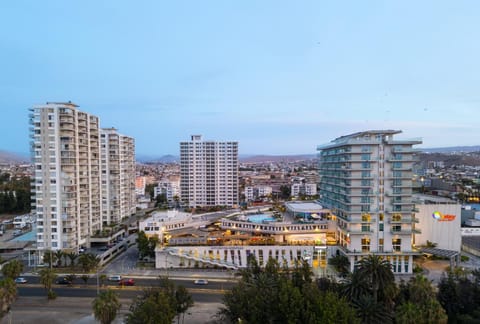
{"x":65,"y":148}
{"x":117,"y":176}
{"x":366,"y":182}
{"x":209,"y":172}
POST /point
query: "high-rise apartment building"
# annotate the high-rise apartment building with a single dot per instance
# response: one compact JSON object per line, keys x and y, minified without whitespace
{"x":209,"y":172}
{"x":84,"y":177}
{"x":117,"y":175}
{"x":366,"y":181}
{"x":65,"y":148}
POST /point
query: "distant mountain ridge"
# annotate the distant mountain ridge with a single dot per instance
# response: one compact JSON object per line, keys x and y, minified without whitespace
{"x":11,"y":157}
{"x":452,"y":149}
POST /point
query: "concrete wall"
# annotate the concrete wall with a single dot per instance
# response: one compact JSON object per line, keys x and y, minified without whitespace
{"x":446,"y":234}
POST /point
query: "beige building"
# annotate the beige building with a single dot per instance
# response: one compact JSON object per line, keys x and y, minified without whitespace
{"x":84,"y":177}
{"x":118,"y":176}
{"x":209,"y":172}
{"x":65,"y":147}
{"x":366,"y":181}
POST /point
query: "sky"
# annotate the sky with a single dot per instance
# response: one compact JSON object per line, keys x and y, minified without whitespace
{"x":279,"y":77}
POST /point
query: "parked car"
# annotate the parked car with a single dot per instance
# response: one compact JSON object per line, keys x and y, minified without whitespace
{"x":115,"y":278}
{"x":63,"y":281}
{"x":126,"y":282}
{"x":20,"y":280}
{"x":201,"y":282}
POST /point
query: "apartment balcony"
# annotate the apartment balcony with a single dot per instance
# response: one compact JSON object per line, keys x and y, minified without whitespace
{"x":409,"y":231}
{"x":404,"y":220}
{"x":360,"y":221}
{"x":398,"y":194}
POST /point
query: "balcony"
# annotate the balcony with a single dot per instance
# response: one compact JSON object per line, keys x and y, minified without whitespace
{"x":408,"y":231}
{"x":404,"y":220}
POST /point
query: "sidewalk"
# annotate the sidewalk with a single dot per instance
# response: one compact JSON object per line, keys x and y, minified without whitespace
{"x":78,"y":310}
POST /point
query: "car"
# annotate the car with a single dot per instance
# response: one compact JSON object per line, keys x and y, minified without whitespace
{"x":115,"y":278}
{"x":20,"y":280}
{"x":201,"y":282}
{"x":126,"y":282}
{"x":63,"y":281}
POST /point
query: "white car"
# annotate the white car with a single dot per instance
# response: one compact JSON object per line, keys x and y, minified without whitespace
{"x":201,"y":282}
{"x":21,"y":280}
{"x":115,"y":278}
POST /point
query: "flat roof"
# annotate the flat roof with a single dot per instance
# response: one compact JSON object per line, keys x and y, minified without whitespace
{"x":300,"y":207}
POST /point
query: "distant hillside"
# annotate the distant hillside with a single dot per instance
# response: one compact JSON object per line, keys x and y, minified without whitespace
{"x":10,"y":157}
{"x":276,"y":158}
{"x":155,"y":159}
{"x":452,"y":149}
{"x":449,"y":159}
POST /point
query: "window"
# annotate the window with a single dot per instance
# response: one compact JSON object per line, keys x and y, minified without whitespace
{"x":396,"y":244}
{"x":380,"y":217}
{"x":380,"y":227}
{"x":365,"y":165}
{"x":365,"y":157}
{"x":397,"y":217}
{"x":365,"y":227}
{"x":366,"y":217}
{"x":380,"y":245}
{"x":366,"y":244}
{"x":396,"y":228}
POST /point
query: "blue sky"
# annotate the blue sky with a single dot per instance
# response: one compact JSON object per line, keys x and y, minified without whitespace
{"x":280,"y":77}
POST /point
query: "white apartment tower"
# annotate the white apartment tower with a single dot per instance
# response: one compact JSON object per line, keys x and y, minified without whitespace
{"x":65,"y":149}
{"x":366,"y":181}
{"x":117,"y":175}
{"x":209,"y":172}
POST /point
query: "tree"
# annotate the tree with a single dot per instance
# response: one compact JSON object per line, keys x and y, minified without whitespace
{"x":8,"y":294}
{"x":58,"y":257}
{"x":88,"y":261}
{"x":154,"y":306}
{"x":85,"y":278}
{"x":340,"y":263}
{"x":277,"y":294}
{"x":371,"y":312}
{"x":378,"y":273}
{"x":183,"y":301}
{"x":47,"y":276}
{"x":72,"y":256}
{"x":49,"y":257}
{"x":354,"y":286}
{"x":106,"y":306}
{"x":12,"y":269}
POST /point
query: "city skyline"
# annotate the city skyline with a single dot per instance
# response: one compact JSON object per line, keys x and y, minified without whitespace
{"x":278,"y":78}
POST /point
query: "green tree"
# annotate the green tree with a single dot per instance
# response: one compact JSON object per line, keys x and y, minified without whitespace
{"x":72,"y":256}
{"x":354,"y":286}
{"x":378,"y":273}
{"x":49,"y":257}
{"x":277,"y":294}
{"x":47,"y":276}
{"x":153,"y":307}
{"x":88,"y":261}
{"x":8,"y":294}
{"x":183,"y":301}
{"x":106,"y":306}
{"x":58,"y":257}
{"x":340,"y":263}
{"x":12,"y":269}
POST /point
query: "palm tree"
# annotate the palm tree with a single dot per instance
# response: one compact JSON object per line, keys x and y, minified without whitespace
{"x":12,"y":269}
{"x":8,"y":294}
{"x":355,"y":286}
{"x":378,"y":273}
{"x":49,"y":257}
{"x":72,"y":256}
{"x":371,"y":312}
{"x":58,"y":256}
{"x":106,"y":306}
{"x":47,"y":276}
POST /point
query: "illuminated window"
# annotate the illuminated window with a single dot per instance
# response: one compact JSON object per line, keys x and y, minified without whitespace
{"x":396,"y":244}
{"x":366,"y":244}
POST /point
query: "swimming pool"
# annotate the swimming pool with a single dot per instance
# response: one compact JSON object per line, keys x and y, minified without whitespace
{"x":260,"y":218}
